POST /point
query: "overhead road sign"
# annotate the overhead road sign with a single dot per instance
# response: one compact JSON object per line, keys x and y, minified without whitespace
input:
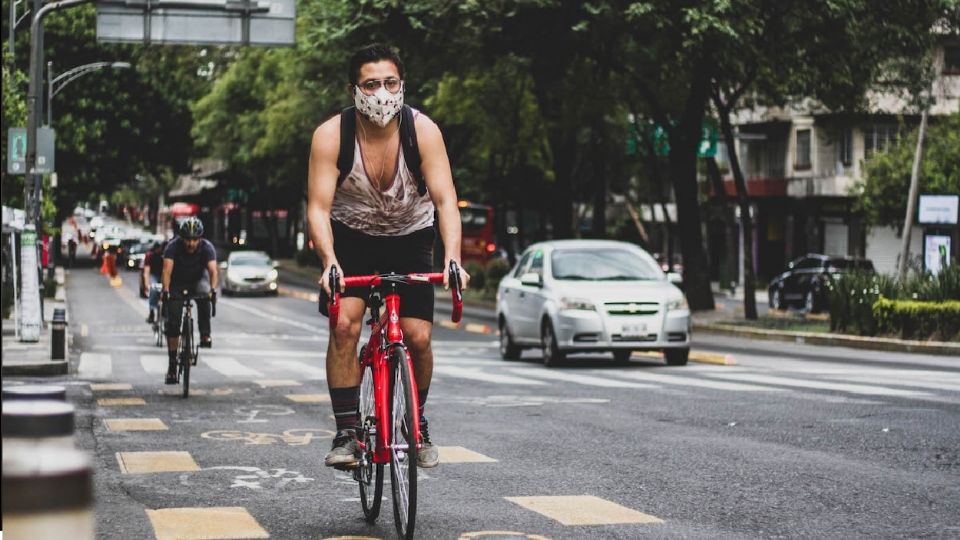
{"x":197,"y":22}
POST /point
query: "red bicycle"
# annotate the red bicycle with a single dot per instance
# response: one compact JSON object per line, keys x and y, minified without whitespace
{"x":389,"y":430}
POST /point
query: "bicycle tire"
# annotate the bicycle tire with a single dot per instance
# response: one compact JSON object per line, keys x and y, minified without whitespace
{"x":403,"y":461}
{"x":186,"y":344}
{"x":369,"y":475}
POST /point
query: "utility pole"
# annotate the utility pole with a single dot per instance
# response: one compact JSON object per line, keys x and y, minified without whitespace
{"x":912,"y":198}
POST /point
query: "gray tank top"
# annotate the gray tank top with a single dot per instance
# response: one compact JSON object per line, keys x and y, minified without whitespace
{"x":395,"y":211}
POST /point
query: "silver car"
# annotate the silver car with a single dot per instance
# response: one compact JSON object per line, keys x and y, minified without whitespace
{"x":569,"y":296}
{"x":249,"y":272}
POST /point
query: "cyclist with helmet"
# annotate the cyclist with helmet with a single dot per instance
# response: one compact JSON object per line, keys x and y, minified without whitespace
{"x":185,"y":260}
{"x":152,"y":273}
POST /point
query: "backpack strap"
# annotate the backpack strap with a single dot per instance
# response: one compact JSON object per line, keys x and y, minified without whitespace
{"x":348,"y":140}
{"x":411,"y":151}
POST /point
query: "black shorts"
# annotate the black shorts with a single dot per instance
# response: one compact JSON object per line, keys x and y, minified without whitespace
{"x":363,"y":254}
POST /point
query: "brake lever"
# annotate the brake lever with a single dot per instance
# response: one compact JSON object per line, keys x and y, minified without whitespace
{"x":456,"y":291}
{"x":333,"y":304}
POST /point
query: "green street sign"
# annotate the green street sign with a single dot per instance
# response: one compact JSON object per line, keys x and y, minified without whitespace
{"x":708,"y":140}
{"x":16,"y":150}
{"x":661,"y":142}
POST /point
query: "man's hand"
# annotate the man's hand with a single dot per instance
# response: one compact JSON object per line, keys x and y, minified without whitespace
{"x":464,"y":276}
{"x":325,"y":278}
{"x":164,"y":296}
{"x":213,"y":296}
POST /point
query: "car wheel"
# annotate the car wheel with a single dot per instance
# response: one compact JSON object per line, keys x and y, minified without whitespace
{"x":622,"y":357}
{"x":552,"y":355}
{"x":676,"y":357}
{"x":810,"y":304}
{"x":508,"y":349}
{"x":776,"y":299}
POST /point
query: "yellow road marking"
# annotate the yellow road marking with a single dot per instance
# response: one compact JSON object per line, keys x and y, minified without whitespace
{"x":583,"y":510}
{"x":495,"y":535}
{"x":135,"y":424}
{"x":712,"y":358}
{"x":352,"y":537}
{"x":110,"y":402}
{"x":155,"y":462}
{"x":266,"y":383}
{"x":479,"y":328}
{"x":448,"y":324}
{"x":205,"y":523}
{"x":108,"y":387}
{"x":649,"y":354}
{"x":459,"y":454}
{"x":309,"y":398}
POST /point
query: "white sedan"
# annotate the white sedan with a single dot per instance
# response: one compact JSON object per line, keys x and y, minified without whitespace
{"x":569,"y":296}
{"x":249,"y":272}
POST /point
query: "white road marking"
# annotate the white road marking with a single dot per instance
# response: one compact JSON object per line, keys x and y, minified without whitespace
{"x":94,"y":366}
{"x":207,"y":353}
{"x":476,"y":374}
{"x":319,"y":326}
{"x":230,"y":367}
{"x":690,"y":381}
{"x":820,"y":385}
{"x":587,"y":380}
{"x":310,"y":371}
{"x":154,"y":364}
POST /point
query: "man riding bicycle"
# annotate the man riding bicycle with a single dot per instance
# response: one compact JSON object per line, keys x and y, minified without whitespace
{"x":375,"y":217}
{"x":152,"y":274}
{"x":184,"y":261}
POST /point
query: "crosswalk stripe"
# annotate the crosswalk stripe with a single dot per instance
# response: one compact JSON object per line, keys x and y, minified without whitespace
{"x":873,"y":379}
{"x":702,"y":383}
{"x":477,"y":374}
{"x":316,"y":327}
{"x":156,"y":462}
{"x":94,"y":366}
{"x":819,"y":385}
{"x":263,"y":353}
{"x":309,"y":371}
{"x":200,"y":523}
{"x":154,"y":364}
{"x":230,"y":367}
{"x":587,"y":380}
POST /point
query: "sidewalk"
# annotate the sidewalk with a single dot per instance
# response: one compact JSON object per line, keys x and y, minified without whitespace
{"x":33,"y":359}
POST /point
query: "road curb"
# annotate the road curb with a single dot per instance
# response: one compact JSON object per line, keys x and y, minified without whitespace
{"x":833,"y":340}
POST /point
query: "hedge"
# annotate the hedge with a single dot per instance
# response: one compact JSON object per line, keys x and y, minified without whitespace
{"x":911,"y":319}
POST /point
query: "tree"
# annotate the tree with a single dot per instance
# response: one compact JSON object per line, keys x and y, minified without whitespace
{"x":880,"y":195}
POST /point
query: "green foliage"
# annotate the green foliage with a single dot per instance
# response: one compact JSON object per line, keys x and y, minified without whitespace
{"x":478,"y":275}
{"x":880,"y":195}
{"x":852,"y":297}
{"x":911,"y":319}
{"x":14,"y":115}
{"x":495,"y":272}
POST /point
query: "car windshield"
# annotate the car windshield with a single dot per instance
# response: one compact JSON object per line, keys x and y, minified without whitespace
{"x":604,"y":264}
{"x":250,"y":260}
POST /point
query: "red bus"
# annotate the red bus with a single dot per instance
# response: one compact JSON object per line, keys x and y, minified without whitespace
{"x":479,"y":244}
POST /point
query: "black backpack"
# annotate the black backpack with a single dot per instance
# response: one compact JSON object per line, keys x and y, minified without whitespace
{"x":408,"y":143}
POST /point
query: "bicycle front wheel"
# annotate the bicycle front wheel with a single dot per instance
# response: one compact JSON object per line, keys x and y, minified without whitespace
{"x":185,"y":356}
{"x":403,"y":445}
{"x":369,"y":474}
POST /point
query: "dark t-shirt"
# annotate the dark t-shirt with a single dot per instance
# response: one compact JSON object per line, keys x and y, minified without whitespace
{"x":154,"y":259}
{"x":188,"y":268}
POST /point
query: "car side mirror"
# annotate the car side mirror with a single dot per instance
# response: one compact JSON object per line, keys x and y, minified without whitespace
{"x":223,"y":265}
{"x":675,"y":278}
{"x":531,"y":279}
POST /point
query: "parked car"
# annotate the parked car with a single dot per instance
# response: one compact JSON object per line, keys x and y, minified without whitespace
{"x":249,"y":272}
{"x":804,"y":282}
{"x":571,"y":296}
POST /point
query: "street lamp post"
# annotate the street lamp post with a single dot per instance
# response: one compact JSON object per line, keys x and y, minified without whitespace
{"x":71,"y":75}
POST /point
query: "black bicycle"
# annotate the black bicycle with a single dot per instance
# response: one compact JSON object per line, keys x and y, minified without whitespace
{"x":188,"y":350}
{"x":159,"y":323}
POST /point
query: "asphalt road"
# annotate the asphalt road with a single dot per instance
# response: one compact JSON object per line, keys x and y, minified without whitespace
{"x":792,"y":442}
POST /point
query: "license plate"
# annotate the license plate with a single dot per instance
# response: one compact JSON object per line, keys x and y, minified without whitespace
{"x":633,"y":329}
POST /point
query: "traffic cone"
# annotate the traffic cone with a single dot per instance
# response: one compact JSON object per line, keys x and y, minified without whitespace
{"x":104,"y":269}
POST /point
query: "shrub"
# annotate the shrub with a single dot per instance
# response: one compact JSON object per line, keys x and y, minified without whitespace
{"x":307,"y":257}
{"x":478,"y":279}
{"x":495,"y":272}
{"x":851,"y":298}
{"x":911,"y":319}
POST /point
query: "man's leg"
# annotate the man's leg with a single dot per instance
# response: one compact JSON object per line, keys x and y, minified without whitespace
{"x":417,"y":335}
{"x":343,"y":380}
{"x":174,"y":316}
{"x":153,"y":296}
{"x":203,"y":322}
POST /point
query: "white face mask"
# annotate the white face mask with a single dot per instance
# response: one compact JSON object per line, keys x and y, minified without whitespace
{"x":381,"y":107}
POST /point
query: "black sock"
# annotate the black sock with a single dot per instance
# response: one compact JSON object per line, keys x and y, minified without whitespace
{"x":422,"y":398}
{"x":344,"y":402}
{"x":172,"y":358}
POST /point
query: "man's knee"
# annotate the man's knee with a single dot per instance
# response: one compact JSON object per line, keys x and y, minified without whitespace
{"x":346,"y":333}
{"x":418,"y":340}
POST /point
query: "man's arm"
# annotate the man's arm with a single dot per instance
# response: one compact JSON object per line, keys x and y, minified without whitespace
{"x":439,"y":179}
{"x":145,"y":275}
{"x":214,"y":276}
{"x":167,"y":273}
{"x":321,"y":188}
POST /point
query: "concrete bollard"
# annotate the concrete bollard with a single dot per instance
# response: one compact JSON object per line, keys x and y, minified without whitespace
{"x":33,"y":425}
{"x":47,"y":495}
{"x":58,"y":336}
{"x":34,"y":392}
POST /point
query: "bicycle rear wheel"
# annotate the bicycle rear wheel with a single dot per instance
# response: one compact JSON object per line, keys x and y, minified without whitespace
{"x":403,"y":445}
{"x":369,"y":474}
{"x":186,"y":352}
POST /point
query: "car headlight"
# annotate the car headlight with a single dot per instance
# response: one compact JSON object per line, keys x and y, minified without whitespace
{"x":577,"y":304}
{"x":680,"y":303}
{"x":272,"y":275}
{"x":232,"y":276}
